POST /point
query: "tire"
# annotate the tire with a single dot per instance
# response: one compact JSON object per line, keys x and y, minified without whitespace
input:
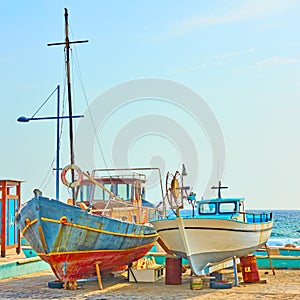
{"x":221,"y":285}
{"x":55,"y":284}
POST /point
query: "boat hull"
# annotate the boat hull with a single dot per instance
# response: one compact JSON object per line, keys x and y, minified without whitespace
{"x":73,"y":241}
{"x":73,"y":266}
{"x":205,"y":241}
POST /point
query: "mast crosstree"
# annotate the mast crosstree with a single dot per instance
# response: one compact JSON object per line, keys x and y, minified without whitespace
{"x":219,"y":189}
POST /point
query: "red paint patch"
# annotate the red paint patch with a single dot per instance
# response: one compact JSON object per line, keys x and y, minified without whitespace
{"x":73,"y":266}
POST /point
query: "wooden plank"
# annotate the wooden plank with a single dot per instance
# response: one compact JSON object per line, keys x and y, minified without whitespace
{"x":164,"y":246}
{"x":269,"y":258}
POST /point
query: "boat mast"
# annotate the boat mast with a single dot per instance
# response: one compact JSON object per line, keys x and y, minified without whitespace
{"x":67,"y":43}
{"x":67,"y":48}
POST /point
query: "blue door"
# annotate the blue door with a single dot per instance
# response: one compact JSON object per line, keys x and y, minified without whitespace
{"x":11,"y":228}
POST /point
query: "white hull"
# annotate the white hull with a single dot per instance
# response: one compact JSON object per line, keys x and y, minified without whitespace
{"x":206,"y":241}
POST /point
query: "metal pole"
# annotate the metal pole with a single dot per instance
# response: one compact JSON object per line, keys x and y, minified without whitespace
{"x":182,"y":174}
{"x":57,"y":143}
{"x":236,"y":278}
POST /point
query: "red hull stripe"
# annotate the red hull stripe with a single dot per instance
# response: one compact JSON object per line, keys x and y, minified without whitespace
{"x":76,"y":265}
{"x":99,"y":230}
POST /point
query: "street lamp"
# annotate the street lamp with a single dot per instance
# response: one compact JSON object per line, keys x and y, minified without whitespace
{"x":24,"y":119}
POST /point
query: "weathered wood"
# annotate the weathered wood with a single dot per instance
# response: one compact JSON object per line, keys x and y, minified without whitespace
{"x":164,"y":246}
{"x":269,"y":258}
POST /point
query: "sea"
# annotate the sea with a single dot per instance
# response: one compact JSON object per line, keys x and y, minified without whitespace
{"x":286,"y":228}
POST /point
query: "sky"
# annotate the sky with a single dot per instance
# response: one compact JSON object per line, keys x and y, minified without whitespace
{"x":212,"y":84}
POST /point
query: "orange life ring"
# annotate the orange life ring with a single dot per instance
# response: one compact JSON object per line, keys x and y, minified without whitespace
{"x":64,"y":179}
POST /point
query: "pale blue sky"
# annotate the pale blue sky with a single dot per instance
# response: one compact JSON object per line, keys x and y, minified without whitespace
{"x":242,"y":57}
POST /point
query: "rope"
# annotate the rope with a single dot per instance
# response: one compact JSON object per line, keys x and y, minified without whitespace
{"x":43,"y":103}
{"x":78,"y":70}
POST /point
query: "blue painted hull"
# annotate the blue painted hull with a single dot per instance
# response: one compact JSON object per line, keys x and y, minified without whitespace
{"x":72,"y":240}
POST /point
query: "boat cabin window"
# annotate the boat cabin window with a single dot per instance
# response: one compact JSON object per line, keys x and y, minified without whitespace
{"x":127,"y":190}
{"x":207,"y":208}
{"x":100,"y":194}
{"x":121,"y":190}
{"x":84,"y":193}
{"x":227,"y":207}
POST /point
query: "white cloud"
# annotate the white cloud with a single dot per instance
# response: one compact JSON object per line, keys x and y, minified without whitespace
{"x":275,"y":61}
{"x":217,"y":59}
{"x":232,"y":54}
{"x":247,"y":10}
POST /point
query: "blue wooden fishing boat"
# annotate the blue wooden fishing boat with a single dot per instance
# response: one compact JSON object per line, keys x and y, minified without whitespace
{"x":73,"y":240}
{"x":215,"y":230}
{"x":102,"y":228}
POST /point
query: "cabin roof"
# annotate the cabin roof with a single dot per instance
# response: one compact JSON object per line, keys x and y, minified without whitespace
{"x":215,"y":200}
{"x":114,"y":180}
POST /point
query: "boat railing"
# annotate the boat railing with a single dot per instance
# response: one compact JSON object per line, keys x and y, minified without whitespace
{"x":126,"y":211}
{"x":118,"y":174}
{"x":255,"y":217}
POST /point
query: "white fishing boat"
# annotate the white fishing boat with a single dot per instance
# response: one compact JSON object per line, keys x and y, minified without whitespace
{"x":213,"y":230}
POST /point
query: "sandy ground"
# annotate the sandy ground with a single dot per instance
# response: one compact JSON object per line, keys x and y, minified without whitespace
{"x":285,"y":284}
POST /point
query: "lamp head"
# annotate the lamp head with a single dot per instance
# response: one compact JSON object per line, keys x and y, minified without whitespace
{"x":23,"y":119}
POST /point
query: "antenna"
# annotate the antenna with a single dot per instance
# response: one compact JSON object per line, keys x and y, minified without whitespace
{"x":219,"y":189}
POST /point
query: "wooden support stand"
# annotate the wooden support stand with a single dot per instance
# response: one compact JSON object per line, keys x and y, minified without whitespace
{"x":164,"y":246}
{"x":131,"y":273}
{"x":99,"y":277}
{"x":269,"y":258}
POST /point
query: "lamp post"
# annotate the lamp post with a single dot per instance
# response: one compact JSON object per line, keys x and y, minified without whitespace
{"x":58,"y":117}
